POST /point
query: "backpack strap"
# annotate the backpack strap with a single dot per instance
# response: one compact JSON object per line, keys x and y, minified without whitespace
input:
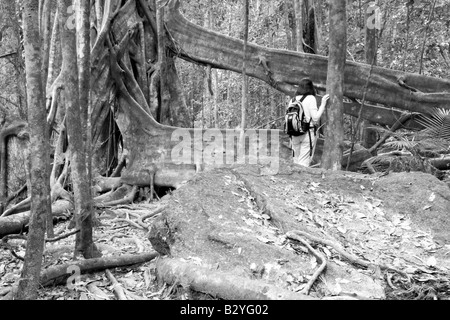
{"x":303,"y":98}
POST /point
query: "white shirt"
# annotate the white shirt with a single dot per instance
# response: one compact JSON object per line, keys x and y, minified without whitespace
{"x":310,"y":108}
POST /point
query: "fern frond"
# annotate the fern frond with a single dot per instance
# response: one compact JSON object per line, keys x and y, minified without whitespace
{"x":401,"y":144}
{"x":437,"y":124}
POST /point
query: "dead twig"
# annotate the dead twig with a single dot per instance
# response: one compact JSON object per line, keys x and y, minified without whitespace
{"x":136,"y":215}
{"x":62,"y":236}
{"x":96,"y":292}
{"x":8,"y":237}
{"x":317,"y":254}
{"x":389,"y":281}
{"x":130,"y":222}
{"x":118,"y":290}
{"x":149,"y":215}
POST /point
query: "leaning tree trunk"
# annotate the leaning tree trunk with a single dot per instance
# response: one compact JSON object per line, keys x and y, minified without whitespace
{"x":39,"y":149}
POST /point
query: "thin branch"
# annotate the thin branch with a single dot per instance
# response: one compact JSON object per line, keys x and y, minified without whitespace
{"x":8,"y":55}
{"x":62,"y":236}
{"x":10,"y":101}
{"x":118,"y":290}
{"x":430,"y":19}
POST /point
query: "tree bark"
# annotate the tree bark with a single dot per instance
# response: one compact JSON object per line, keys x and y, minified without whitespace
{"x":17,"y":222}
{"x":368,"y":135}
{"x":82,"y":199}
{"x":244,"y":81}
{"x":334,"y":131}
{"x":298,"y":6}
{"x":84,"y":242}
{"x":164,"y":94}
{"x":39,"y":149}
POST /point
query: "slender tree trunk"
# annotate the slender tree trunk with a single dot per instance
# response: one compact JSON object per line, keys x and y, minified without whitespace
{"x":74,"y":115}
{"x":311,"y":39}
{"x":45,"y":41}
{"x":317,"y":4}
{"x":334,"y":134}
{"x":369,"y":136}
{"x":39,"y":151}
{"x":164,"y":94}
{"x":216,"y":103}
{"x":299,"y":24}
{"x":84,"y":240}
{"x":207,"y":84}
{"x":45,"y":36}
{"x":290,"y":43}
{"x":244,"y":82}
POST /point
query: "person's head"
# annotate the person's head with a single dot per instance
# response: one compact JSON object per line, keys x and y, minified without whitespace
{"x":305,"y":87}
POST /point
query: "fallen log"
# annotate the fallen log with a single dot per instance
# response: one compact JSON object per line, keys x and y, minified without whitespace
{"x":221,"y":284}
{"x":59,"y":274}
{"x":441,"y":163}
{"x":382,"y":115}
{"x":283,"y":69}
{"x":15,"y":223}
{"x":103,"y":184}
{"x":358,"y":156}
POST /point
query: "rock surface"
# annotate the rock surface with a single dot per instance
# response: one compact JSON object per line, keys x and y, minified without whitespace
{"x":235,"y":219}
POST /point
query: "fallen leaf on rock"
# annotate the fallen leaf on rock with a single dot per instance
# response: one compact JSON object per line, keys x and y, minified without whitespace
{"x":410,"y":270}
{"x":339,"y":262}
{"x":342,"y":230}
{"x":263,"y":240}
{"x":327,"y":252}
{"x":360,"y":215}
{"x":342,"y":281}
{"x":431,"y":262}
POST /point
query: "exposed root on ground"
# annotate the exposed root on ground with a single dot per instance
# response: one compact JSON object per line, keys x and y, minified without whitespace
{"x":221,"y":284}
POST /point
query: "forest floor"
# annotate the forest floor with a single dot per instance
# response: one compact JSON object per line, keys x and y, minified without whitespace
{"x":239,"y":221}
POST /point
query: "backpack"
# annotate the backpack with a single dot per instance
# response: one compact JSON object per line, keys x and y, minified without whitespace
{"x":295,"y":121}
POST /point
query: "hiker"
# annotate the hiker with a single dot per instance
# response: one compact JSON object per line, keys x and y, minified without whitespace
{"x":303,"y":141}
